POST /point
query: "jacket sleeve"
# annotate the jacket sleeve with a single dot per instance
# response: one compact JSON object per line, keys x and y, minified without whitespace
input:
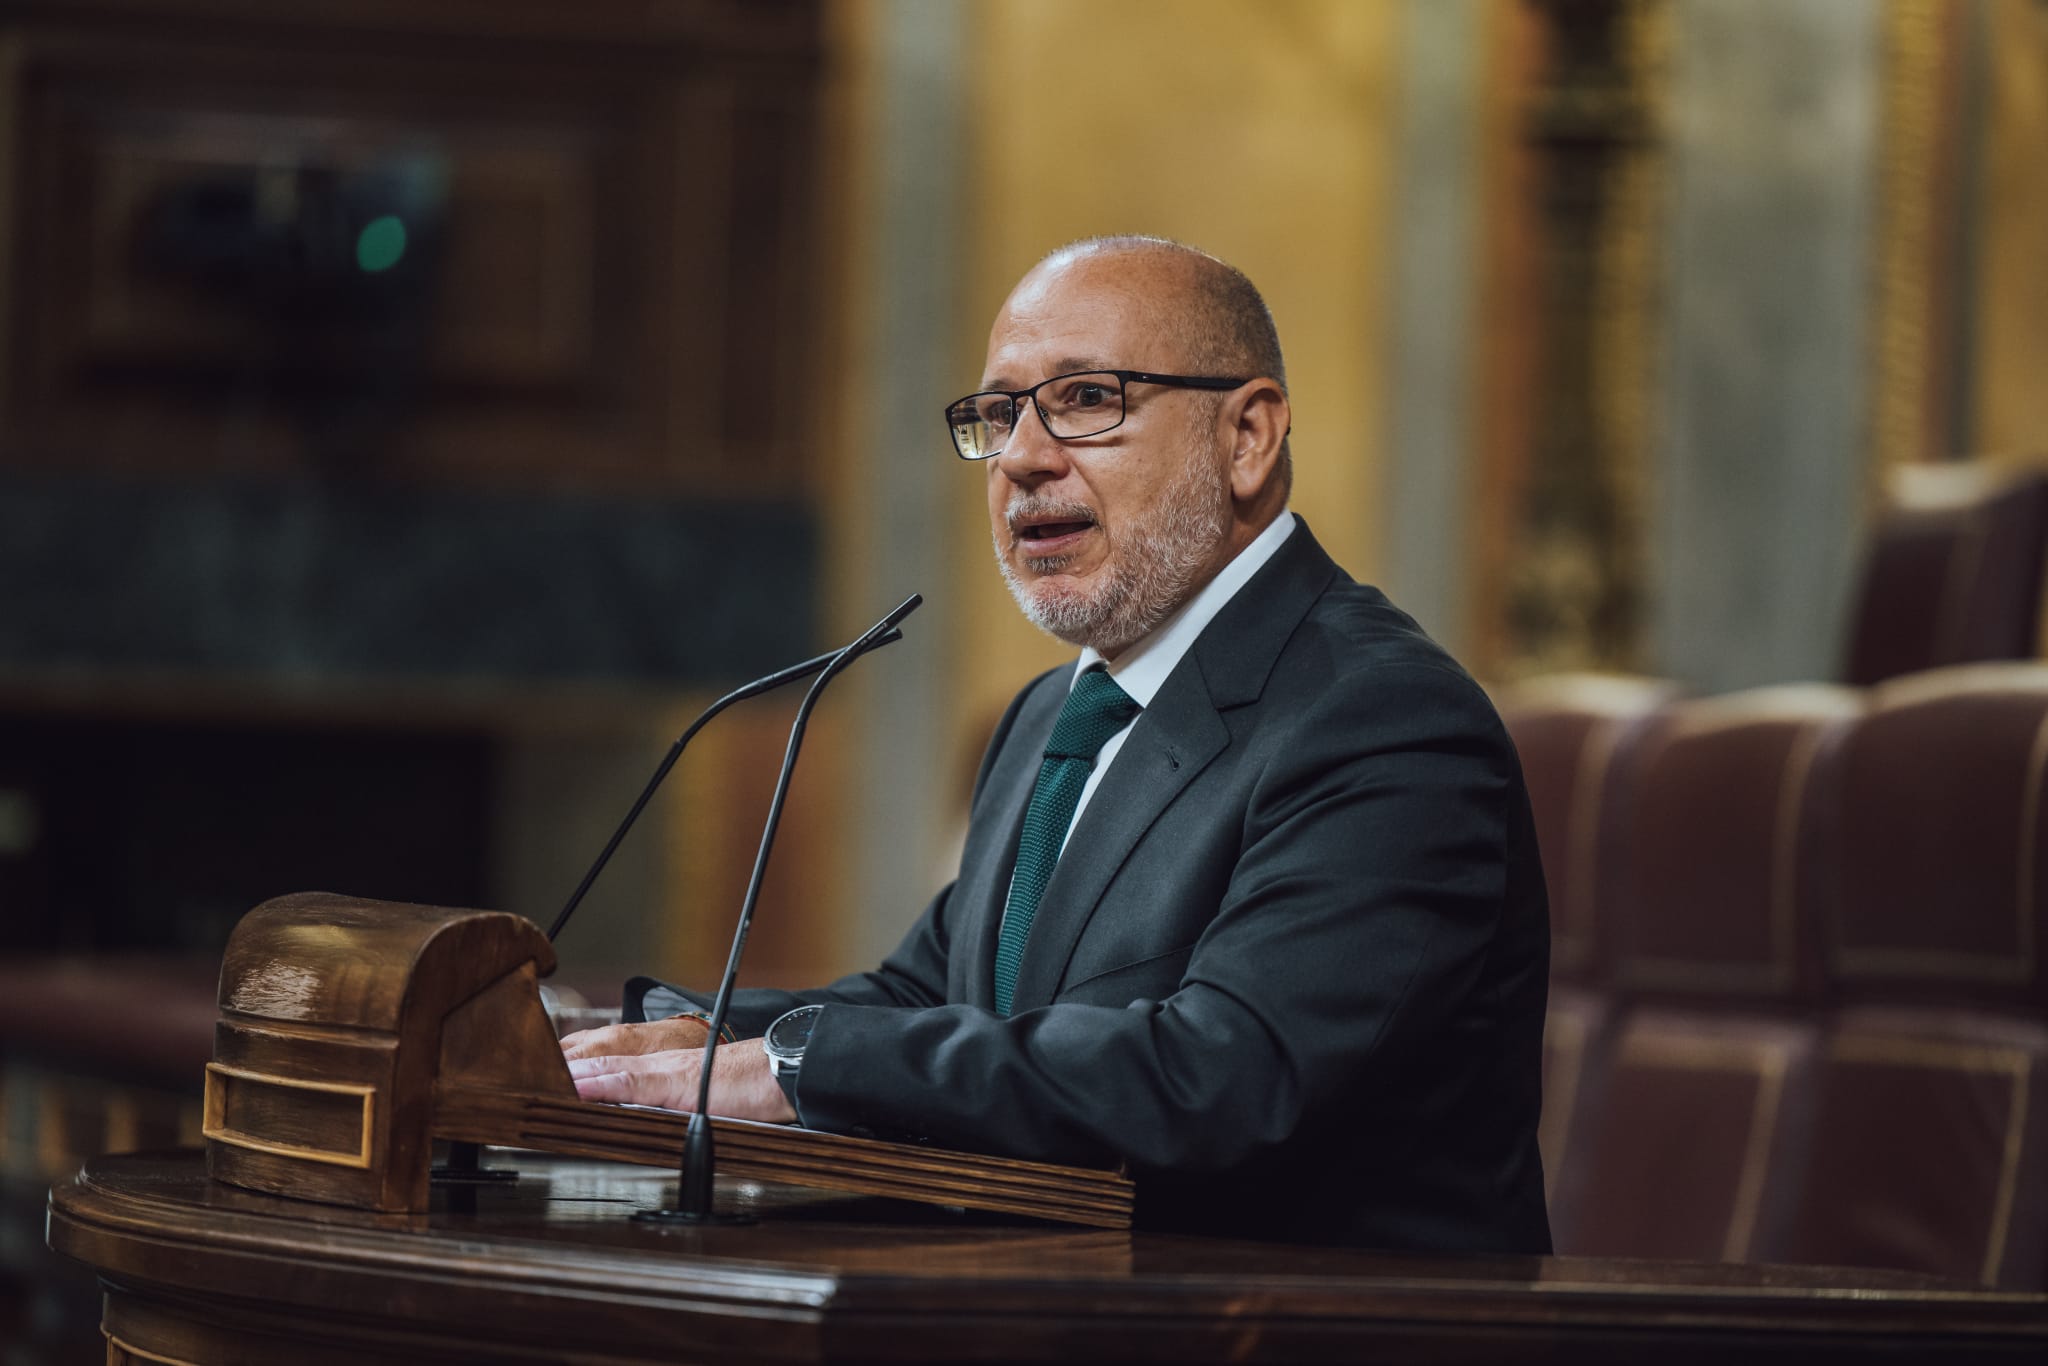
{"x":1370,"y":877}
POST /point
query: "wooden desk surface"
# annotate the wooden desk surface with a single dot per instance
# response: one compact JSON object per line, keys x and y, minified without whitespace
{"x":549,"y":1269}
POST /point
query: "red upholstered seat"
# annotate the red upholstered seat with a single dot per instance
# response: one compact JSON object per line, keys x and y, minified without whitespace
{"x":1953,"y":574}
{"x":1570,"y":730}
{"x":1575,"y":1041}
{"x":1691,"y":1134}
{"x":1696,"y":1127}
{"x":1930,"y":1147}
{"x":1709,"y":897}
{"x":1934,"y":821}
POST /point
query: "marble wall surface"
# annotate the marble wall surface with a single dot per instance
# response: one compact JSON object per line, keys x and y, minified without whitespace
{"x":1763,"y":422}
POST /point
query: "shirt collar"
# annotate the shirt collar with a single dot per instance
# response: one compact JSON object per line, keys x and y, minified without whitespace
{"x":1142,"y":669}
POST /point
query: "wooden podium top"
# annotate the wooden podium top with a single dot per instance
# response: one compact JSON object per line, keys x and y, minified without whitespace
{"x":549,"y":1269}
{"x":352,"y":1034}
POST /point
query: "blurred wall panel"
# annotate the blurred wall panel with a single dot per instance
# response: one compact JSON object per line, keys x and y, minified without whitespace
{"x":2010,"y":401}
{"x":1434,"y":315}
{"x":1569,"y":586}
{"x":1508,"y":390}
{"x":1571,"y":180}
{"x":428,"y":373}
{"x":596,"y":274}
{"x":711,"y":829}
{"x":1923,"y":217}
{"x":893,"y":179}
{"x":1763,"y":456}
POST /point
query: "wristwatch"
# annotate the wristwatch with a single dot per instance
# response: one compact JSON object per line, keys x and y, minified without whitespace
{"x":785,"y":1042}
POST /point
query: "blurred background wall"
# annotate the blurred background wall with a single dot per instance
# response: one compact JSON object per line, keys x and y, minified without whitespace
{"x":410,"y":413}
{"x":1604,"y":320}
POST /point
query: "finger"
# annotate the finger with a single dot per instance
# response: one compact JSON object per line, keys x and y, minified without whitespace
{"x":650,"y":1036}
{"x":635,"y":1081}
{"x":604,"y":1063}
{"x":585,"y":1043}
{"x":675,"y":1062}
{"x":618,"y":1039}
{"x":614,"y":1088}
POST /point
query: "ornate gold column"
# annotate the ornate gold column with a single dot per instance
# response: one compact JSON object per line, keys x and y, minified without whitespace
{"x":1565,"y":589}
{"x":1920,"y":219}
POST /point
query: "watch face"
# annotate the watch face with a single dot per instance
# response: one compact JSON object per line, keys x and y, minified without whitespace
{"x":788,"y":1035}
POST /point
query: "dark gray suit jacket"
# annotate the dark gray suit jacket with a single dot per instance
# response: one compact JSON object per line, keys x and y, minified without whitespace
{"x":1291,"y":966}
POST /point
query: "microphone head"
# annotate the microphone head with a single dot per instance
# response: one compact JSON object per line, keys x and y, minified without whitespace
{"x":904,"y":609}
{"x":884,"y":632}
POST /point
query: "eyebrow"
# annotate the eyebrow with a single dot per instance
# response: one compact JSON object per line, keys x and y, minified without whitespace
{"x":1065,"y":365}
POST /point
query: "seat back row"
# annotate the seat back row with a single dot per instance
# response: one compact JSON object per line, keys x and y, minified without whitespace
{"x":1800,"y":998}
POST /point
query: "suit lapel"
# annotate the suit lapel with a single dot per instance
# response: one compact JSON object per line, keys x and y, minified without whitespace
{"x":993,"y":836}
{"x":1169,"y":746}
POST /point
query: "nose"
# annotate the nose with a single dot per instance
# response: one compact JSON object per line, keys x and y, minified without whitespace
{"x":1032,"y":454}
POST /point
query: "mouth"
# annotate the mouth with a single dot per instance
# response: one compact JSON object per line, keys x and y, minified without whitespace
{"x":1047,"y":535}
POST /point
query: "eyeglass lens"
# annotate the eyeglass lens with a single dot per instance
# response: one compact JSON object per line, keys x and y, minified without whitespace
{"x":1071,"y":406}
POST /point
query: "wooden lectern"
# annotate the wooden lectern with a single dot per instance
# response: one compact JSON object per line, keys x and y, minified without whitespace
{"x":352,"y":1034}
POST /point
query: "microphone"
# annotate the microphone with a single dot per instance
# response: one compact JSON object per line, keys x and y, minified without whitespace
{"x":693,"y":1182}
{"x":872,"y":640}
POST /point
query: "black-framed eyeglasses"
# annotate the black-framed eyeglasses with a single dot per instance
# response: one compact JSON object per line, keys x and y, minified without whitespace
{"x":1083,"y":403}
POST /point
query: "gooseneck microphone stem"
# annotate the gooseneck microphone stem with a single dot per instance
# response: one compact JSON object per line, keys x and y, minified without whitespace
{"x":675,"y":752}
{"x":693,"y":1193}
{"x":796,"y":740}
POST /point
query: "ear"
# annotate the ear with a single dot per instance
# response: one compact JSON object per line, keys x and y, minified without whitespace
{"x":1256,"y":419}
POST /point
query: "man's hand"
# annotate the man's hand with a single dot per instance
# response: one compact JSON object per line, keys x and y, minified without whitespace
{"x":741,"y":1086}
{"x":655,"y":1036}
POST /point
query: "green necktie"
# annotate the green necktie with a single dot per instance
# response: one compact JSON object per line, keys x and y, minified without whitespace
{"x":1095,"y":710}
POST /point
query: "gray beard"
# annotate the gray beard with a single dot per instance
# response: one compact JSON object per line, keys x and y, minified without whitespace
{"x":1156,"y":570}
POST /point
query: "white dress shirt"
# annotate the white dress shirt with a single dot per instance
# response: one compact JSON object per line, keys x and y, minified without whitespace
{"x":1142,"y":669}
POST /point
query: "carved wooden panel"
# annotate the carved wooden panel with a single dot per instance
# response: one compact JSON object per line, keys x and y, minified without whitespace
{"x":343,"y":240}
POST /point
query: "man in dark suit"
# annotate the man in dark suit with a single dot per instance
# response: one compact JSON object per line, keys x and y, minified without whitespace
{"x":1250,"y":897}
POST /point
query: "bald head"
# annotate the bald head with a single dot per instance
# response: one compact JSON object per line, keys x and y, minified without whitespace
{"x":1216,"y":310}
{"x":1215,"y":315}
